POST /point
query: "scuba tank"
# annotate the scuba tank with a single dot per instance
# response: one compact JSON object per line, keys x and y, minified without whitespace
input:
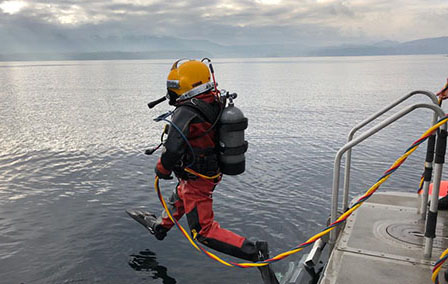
{"x":231,"y":143}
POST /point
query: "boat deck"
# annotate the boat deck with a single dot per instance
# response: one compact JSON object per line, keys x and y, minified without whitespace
{"x":382,"y":243}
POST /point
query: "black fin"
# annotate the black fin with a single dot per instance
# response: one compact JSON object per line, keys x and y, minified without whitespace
{"x":139,"y":216}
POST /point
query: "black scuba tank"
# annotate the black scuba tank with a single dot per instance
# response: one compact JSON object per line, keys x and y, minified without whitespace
{"x":231,"y":143}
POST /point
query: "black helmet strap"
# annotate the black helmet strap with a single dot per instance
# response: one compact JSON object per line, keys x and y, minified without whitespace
{"x":172,"y":97}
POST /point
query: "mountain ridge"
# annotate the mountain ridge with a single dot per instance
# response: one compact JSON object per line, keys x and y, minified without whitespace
{"x":150,"y":47}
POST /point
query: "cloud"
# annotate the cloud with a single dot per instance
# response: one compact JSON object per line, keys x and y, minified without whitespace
{"x":76,"y":23}
{"x":12,"y":7}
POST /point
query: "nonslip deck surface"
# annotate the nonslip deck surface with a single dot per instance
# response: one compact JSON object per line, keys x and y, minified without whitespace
{"x":382,"y":242}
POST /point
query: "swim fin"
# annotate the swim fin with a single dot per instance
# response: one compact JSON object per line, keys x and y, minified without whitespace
{"x":149,"y":221}
{"x":267,"y":274}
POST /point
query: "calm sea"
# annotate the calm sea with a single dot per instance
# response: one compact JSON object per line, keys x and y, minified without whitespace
{"x":72,"y":136}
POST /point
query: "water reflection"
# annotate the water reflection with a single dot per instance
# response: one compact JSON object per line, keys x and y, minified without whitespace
{"x":71,"y":140}
{"x":146,"y":261}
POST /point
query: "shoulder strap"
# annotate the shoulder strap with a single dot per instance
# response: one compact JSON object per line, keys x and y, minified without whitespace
{"x":205,"y":109}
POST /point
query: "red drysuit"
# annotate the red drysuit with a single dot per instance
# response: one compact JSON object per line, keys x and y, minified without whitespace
{"x":193,"y":195}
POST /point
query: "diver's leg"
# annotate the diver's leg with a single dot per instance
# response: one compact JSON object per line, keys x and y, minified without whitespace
{"x":176,"y":207}
{"x":197,"y":196}
{"x":198,"y":202}
{"x":161,"y":225}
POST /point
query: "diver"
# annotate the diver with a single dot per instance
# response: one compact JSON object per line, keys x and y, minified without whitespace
{"x":194,"y":144}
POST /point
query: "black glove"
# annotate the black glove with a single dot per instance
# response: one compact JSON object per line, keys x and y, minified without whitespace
{"x":163,"y":176}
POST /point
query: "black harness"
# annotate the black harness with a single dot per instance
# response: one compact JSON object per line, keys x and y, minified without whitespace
{"x":206,"y":161}
{"x":206,"y":110}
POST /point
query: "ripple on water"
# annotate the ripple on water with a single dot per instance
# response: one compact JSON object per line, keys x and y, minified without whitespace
{"x":71,"y":161}
{"x":66,"y":172}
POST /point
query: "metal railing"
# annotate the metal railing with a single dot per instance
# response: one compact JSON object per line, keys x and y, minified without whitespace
{"x":348,"y":156}
{"x":438,"y":112}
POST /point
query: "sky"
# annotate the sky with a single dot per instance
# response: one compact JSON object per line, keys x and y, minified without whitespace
{"x":28,"y":23}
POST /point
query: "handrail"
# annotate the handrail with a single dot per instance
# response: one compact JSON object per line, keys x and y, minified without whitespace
{"x":431,"y":220}
{"x":337,"y":162}
{"x":363,"y":123}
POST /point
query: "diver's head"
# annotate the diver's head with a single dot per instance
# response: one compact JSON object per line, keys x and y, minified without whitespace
{"x":187,"y":79}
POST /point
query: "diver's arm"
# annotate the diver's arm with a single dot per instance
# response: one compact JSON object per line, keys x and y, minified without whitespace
{"x":175,"y":144}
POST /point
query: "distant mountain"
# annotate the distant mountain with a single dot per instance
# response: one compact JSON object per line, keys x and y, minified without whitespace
{"x":425,"y":46}
{"x":437,"y":45}
{"x":386,"y":43}
{"x":105,"y":55}
{"x":60,"y":47}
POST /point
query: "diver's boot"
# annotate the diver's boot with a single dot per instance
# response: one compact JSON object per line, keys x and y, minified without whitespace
{"x":267,"y":274}
{"x":149,"y":221}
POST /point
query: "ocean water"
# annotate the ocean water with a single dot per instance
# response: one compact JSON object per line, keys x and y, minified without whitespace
{"x":72,"y":136}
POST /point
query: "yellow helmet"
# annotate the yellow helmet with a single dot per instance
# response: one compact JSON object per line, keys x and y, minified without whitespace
{"x":189,"y":79}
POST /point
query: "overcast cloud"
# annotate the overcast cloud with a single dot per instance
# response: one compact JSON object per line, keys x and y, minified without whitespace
{"x":310,"y":22}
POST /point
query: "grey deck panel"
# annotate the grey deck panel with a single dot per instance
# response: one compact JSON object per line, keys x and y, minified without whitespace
{"x":382,"y":242}
{"x":359,"y":268}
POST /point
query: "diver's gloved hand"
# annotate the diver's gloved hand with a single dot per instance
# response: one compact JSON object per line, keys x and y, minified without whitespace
{"x":163,"y":176}
{"x":161,"y":172}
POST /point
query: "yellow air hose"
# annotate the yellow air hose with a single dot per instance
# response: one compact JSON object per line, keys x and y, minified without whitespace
{"x":311,"y":240}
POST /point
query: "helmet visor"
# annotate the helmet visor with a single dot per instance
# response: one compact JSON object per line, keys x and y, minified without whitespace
{"x":172,"y":84}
